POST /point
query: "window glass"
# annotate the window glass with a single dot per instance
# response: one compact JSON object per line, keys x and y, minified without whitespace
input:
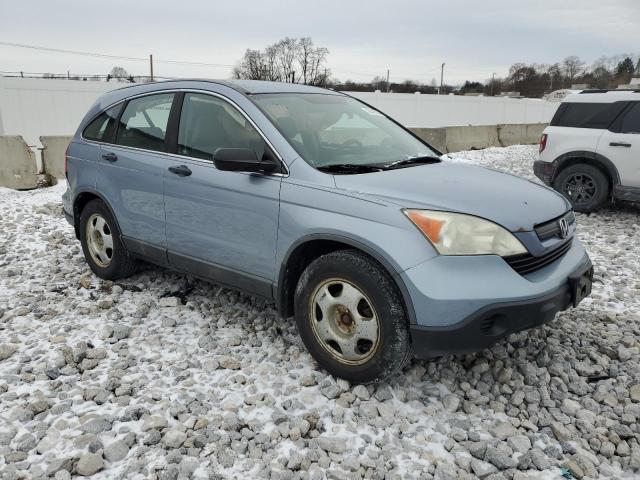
{"x":587,"y":115}
{"x":631,"y":121}
{"x":333,"y":129}
{"x":208,"y":123}
{"x":144,"y":122}
{"x":101,"y":126}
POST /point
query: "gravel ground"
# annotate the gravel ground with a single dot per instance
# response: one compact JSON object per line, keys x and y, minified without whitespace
{"x":163,"y":376}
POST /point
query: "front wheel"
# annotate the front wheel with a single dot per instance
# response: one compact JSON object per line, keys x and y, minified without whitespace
{"x":352,"y":318}
{"x":585,"y":186}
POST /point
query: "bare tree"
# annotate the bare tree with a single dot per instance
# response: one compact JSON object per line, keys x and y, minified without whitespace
{"x":119,"y":74}
{"x":288,"y":60}
{"x":573,"y":66}
{"x":286,"y":54}
{"x":311,"y":62}
{"x":555,"y":76}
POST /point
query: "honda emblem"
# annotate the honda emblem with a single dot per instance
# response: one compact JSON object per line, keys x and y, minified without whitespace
{"x":564,"y":227}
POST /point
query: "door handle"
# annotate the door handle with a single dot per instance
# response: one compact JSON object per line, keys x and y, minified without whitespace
{"x":619,"y":144}
{"x":110,"y":157}
{"x":181,"y":170}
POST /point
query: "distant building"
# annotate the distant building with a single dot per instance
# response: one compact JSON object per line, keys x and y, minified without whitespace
{"x":510,"y":94}
{"x":558,"y":95}
{"x":633,"y":84}
{"x":580,"y":86}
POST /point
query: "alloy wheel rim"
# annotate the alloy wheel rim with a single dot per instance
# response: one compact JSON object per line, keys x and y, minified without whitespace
{"x":99,"y":240}
{"x":580,"y":188}
{"x":344,"y":321}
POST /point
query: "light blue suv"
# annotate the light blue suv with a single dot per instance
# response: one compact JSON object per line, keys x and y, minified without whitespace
{"x":311,"y":198}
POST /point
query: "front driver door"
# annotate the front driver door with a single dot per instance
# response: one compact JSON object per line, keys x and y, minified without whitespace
{"x":220,"y":225}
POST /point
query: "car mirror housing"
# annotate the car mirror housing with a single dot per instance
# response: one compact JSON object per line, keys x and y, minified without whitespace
{"x":242,"y":160}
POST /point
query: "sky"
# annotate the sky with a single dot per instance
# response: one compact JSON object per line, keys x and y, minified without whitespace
{"x":411,"y":38}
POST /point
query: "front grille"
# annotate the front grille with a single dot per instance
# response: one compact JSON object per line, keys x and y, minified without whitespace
{"x":551,"y":228}
{"x":527,"y":263}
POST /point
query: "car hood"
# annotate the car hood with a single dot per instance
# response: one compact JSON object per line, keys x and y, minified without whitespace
{"x":513,"y":202}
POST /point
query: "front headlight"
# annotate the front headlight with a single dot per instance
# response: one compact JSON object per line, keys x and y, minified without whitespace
{"x":459,"y":234}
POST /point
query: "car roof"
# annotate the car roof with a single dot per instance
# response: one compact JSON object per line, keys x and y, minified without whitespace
{"x":603,"y":96}
{"x":247,"y":87}
{"x":244,"y":87}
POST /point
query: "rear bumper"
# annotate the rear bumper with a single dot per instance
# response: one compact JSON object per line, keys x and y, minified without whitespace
{"x":544,"y":171}
{"x":465,"y":304}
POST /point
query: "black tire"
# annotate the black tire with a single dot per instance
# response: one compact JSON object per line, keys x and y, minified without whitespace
{"x":118,"y":262}
{"x":354,"y":269}
{"x":585,"y":186}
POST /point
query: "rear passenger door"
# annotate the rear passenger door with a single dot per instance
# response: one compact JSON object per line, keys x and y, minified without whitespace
{"x":621,"y":145}
{"x":221,"y":225}
{"x":133,"y":173}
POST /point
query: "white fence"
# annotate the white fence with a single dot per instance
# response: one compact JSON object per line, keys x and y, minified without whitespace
{"x":34,"y":107}
{"x":416,"y":110}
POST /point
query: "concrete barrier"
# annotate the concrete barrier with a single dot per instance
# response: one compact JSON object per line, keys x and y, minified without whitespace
{"x":471,"y":138}
{"x":475,"y":137}
{"x":519,"y":134}
{"x":17,"y":164}
{"x":53,"y":151}
{"x":433,"y":136}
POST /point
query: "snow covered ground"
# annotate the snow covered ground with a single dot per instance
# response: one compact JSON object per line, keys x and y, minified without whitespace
{"x":125,"y":381}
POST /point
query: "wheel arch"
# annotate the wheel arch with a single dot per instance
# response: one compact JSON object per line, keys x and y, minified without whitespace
{"x":81,"y":200}
{"x":310,"y":247}
{"x":590,"y":158}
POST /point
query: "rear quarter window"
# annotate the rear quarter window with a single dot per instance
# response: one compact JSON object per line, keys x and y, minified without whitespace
{"x":631,"y":121}
{"x":101,"y":128}
{"x":587,"y":115}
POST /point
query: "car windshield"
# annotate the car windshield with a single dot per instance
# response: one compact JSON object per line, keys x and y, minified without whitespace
{"x":338,"y":130}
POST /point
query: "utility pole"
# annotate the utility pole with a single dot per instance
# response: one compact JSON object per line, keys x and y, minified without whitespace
{"x":493,"y":79}
{"x":151,"y":66}
{"x":387,"y":80}
{"x":441,"y":78}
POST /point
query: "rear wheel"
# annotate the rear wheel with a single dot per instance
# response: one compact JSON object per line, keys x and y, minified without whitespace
{"x":585,"y":186}
{"x":351,"y":317}
{"x":101,"y":243}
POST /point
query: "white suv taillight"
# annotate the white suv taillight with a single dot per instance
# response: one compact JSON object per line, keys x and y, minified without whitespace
{"x":543,"y":143}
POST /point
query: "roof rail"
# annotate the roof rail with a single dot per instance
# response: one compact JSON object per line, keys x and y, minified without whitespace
{"x":606,"y":90}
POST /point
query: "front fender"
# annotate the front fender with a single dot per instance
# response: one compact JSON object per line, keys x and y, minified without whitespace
{"x":378,"y":229}
{"x":381,"y":227}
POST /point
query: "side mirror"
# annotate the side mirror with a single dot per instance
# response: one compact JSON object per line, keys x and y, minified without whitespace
{"x":242,"y":160}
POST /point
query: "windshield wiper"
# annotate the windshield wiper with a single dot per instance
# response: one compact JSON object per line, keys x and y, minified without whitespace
{"x":411,"y":161}
{"x":350,"y":168}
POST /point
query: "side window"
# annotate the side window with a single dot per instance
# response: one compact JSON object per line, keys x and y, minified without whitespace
{"x":631,"y":121}
{"x":208,"y":123}
{"x":144,"y":122}
{"x":587,"y":115}
{"x":101,"y":128}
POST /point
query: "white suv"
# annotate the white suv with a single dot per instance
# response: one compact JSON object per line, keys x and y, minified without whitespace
{"x":591,"y":150}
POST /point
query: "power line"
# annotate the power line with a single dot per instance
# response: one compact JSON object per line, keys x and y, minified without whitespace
{"x":115,"y":57}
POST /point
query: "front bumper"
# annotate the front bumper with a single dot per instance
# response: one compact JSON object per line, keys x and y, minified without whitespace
{"x":479,"y":300}
{"x":544,"y":171}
